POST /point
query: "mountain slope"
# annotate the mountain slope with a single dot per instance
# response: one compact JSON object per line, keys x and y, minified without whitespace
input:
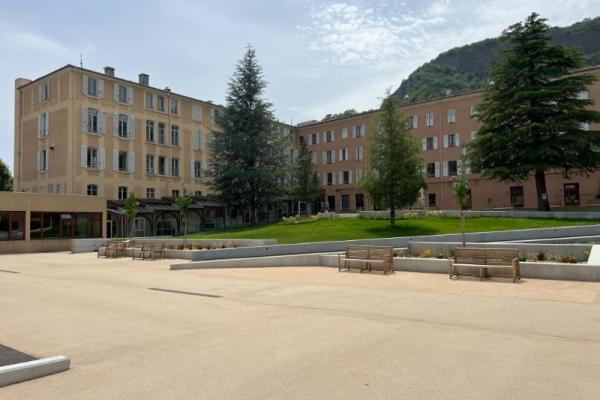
{"x":465,"y":68}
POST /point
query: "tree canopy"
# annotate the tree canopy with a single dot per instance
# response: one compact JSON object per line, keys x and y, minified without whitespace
{"x":306,"y":186}
{"x":247,"y":163}
{"x":6,"y":179}
{"x":535,"y":115}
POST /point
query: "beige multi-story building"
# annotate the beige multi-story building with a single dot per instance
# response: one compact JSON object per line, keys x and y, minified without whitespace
{"x":443,"y":127}
{"x":81,"y":132}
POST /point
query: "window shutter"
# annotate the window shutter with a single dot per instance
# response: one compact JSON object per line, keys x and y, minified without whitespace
{"x":437,"y":169}
{"x":39,"y":126}
{"x":129,"y":95}
{"x":458,"y":166}
{"x":39,"y":161}
{"x":333,"y":136}
{"x":198,"y":139}
{"x":445,"y":141}
{"x":333,"y":156}
{"x":101,"y":122}
{"x":47,"y":123}
{"x":131,"y":161}
{"x":101,"y":158}
{"x":84,"y":118}
{"x":364,"y":130}
{"x":47,"y":160}
{"x":131,"y":127}
{"x":341,"y":155}
{"x":324,"y":137}
{"x":435,"y":142}
{"x":350,"y":173}
{"x":340,"y":178}
{"x":116,"y":91}
{"x":41,"y":92}
{"x":360,"y":152}
{"x":318,"y":138}
{"x":324,"y":178}
{"x":445,"y":168}
{"x":424,"y":144}
{"x":354,"y":131}
{"x":473,"y":135}
{"x":100,"y":88}
{"x":83,"y":161}
{"x":457,"y":139}
{"x":467,"y":168}
{"x":197,"y":112}
{"x":193,"y":169}
{"x":115,"y":160}
{"x":84,"y":85}
{"x":324,"y":157}
{"x":356,"y":155}
{"x":115,"y":124}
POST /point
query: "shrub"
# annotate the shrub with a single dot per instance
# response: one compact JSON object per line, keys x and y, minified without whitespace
{"x":522,"y":257}
{"x":532,"y":257}
{"x":295,"y":220}
{"x":541,"y":256}
{"x":571,"y":258}
{"x":425,"y":253}
{"x":553,"y":258}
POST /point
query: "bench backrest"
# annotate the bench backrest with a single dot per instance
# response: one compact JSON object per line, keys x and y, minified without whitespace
{"x":488,"y":256}
{"x":115,"y":245}
{"x":370,"y":252}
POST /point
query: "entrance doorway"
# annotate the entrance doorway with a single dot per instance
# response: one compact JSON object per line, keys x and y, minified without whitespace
{"x":571,"y":191}
{"x":331,"y":203}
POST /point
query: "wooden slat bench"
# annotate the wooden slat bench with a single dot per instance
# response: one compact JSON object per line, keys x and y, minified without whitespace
{"x":482,"y":260}
{"x":367,"y":258}
{"x":153,"y":250}
{"x":115,"y":249}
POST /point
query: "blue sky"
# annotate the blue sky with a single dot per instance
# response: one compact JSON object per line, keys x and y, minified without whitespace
{"x":319,"y":56}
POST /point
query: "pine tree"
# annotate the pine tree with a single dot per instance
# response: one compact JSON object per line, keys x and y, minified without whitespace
{"x":532,"y":118}
{"x":395,"y":175}
{"x":306,"y":186}
{"x":6,"y":180}
{"x":247,"y":163}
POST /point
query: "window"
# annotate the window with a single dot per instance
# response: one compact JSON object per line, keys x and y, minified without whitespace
{"x":175,"y":193}
{"x":300,"y":139}
{"x":431,"y":199}
{"x":162,"y":133}
{"x":197,"y":169}
{"x":121,"y":94}
{"x":452,"y":167}
{"x":122,"y":161}
{"x":122,"y":192}
{"x":571,"y":193}
{"x":517,"y":198}
{"x":150,"y":193}
{"x":198,"y":193}
{"x":329,"y":157}
{"x":344,"y":133}
{"x":43,"y":161}
{"x":149,"y":100}
{"x":473,"y":112}
{"x":359,"y":153}
{"x":44,"y":92}
{"x":412,"y":122}
{"x":12,"y":225}
{"x":359,"y":201}
{"x":358,"y":131}
{"x":429,"y":119}
{"x":92,"y":120}
{"x":162,"y":165}
{"x":451,"y":116}
{"x":92,"y":87}
{"x":150,"y":131}
{"x":429,"y":144}
{"x":174,"y":106}
{"x":214,"y":115}
{"x":175,"y":167}
{"x":329,"y":136}
{"x":345,"y":202}
{"x":91,"y":158}
{"x":359,"y":174}
{"x":150,"y":164}
{"x":346,"y":177}
{"x":343,"y":154}
{"x":431,"y":169}
{"x":452,"y":140}
{"x":160,"y":103}
{"x":197,"y":112}
{"x":174,"y":135}
{"x":92,"y":190}
{"x":50,"y":225}
{"x":58,"y":188}
{"x":330,"y":178}
{"x":314,"y":138}
{"x":43,"y":124}
{"x":122,"y":126}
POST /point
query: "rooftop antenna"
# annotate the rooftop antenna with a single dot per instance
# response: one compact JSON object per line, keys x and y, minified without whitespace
{"x":80,"y":60}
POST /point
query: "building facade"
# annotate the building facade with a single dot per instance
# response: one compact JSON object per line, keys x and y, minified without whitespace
{"x":442,"y":127}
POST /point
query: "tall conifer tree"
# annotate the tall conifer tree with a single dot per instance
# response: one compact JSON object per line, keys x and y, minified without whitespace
{"x":247,"y":163}
{"x":533,"y":117}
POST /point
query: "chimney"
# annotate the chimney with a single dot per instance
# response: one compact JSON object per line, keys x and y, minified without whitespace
{"x":144,"y":79}
{"x":167,"y":89}
{"x":448,"y":92}
{"x":109,"y":71}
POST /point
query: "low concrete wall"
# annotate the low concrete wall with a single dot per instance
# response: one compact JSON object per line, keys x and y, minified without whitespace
{"x":580,"y":250}
{"x":491,"y":213}
{"x":34,"y":246}
{"x":397,"y":242}
{"x":90,"y":245}
{"x":299,"y":260}
{"x":571,"y":239}
{"x":25,"y":371}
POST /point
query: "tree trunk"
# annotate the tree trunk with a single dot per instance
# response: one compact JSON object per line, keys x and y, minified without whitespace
{"x":540,"y":186}
{"x":462,"y":227}
{"x":392,"y":216}
{"x":253,"y":215}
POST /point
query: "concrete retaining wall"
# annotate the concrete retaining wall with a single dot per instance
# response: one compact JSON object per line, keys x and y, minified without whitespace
{"x":14,"y":373}
{"x":90,"y":245}
{"x":397,"y":242}
{"x":505,"y":213}
{"x":34,"y":246}
{"x":580,"y":250}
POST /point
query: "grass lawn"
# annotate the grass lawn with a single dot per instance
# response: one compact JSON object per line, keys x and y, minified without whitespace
{"x":326,"y":229}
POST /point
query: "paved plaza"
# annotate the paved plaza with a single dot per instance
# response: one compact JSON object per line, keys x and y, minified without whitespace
{"x":136,"y":330}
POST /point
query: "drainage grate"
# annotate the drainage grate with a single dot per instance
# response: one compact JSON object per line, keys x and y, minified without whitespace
{"x":9,"y":272}
{"x":214,"y":296}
